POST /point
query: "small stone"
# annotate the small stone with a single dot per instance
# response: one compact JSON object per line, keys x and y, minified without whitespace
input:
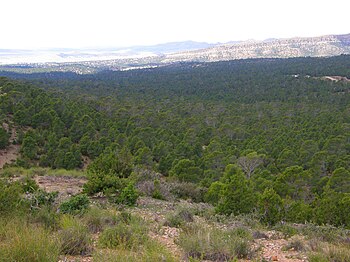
{"x":274,"y":258}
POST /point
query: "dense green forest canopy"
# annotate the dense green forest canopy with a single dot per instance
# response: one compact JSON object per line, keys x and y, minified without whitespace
{"x":265,"y":135}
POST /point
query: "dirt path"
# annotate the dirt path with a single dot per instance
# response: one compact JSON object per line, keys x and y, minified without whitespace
{"x":167,"y":239}
{"x":274,"y":250}
{"x":154,"y":211}
{"x":10,"y":154}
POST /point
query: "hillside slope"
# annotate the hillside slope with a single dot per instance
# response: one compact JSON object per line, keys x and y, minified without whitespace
{"x":331,"y":45}
{"x":165,"y":54}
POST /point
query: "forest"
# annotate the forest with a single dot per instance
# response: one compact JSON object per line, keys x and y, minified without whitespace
{"x":269,"y":137}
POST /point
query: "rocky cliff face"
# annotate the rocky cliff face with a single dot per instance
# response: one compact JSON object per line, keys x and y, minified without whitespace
{"x":331,"y":45}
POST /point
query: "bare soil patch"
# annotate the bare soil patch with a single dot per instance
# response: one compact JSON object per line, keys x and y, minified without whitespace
{"x":336,"y":78}
{"x":9,"y":154}
{"x":66,"y":186}
{"x":273,"y":250}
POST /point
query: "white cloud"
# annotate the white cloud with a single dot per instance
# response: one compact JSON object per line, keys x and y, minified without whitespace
{"x":79,"y":23}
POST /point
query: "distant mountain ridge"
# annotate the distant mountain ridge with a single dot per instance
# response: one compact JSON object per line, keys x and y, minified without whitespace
{"x":173,"y":47}
{"x":94,"y":60}
{"x":331,"y":45}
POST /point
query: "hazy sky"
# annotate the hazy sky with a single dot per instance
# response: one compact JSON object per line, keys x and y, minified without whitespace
{"x":107,"y":23}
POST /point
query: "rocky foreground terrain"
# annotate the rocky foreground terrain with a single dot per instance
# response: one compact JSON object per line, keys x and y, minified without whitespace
{"x":185,"y":231}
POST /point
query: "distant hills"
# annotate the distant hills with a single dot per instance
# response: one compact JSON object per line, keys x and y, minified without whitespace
{"x":92,"y":60}
{"x":331,"y":45}
{"x":173,"y":47}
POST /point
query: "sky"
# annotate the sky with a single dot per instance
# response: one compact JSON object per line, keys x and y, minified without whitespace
{"x":38,"y":24}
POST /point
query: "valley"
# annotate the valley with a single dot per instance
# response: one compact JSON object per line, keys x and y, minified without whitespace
{"x":240,"y":160}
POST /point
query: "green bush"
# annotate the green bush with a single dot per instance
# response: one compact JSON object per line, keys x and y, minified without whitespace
{"x":178,"y":218}
{"x":286,"y":229}
{"x":325,"y":233}
{"x":108,"y":173}
{"x":186,"y":190}
{"x":97,"y":219}
{"x":125,"y":217}
{"x":206,"y":243}
{"x":24,"y":242}
{"x":74,"y":236}
{"x":331,"y":253}
{"x":74,"y":205}
{"x":150,"y":251}
{"x":106,"y":183}
{"x":128,"y":196}
{"x":157,"y":190}
{"x":214,"y":191}
{"x":339,"y":253}
{"x":298,"y":212}
{"x":317,"y":257}
{"x":10,"y":197}
{"x":332,"y":208}
{"x":46,"y":216}
{"x":241,"y":232}
{"x":270,"y":207}
{"x":127,"y":235}
{"x":186,"y":170}
{"x":8,"y":172}
{"x":29,"y":185}
{"x":42,"y":198}
{"x":236,"y":195}
{"x":296,"y":244}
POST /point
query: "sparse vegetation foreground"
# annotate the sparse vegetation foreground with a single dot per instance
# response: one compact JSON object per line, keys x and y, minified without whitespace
{"x":228,"y":161}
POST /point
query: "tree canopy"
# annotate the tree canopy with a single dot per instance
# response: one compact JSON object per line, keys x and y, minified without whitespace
{"x":249,"y":131}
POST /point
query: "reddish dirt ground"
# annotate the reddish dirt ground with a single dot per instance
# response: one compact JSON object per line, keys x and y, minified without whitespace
{"x":10,"y":154}
{"x":271,"y":248}
{"x":66,"y":186}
